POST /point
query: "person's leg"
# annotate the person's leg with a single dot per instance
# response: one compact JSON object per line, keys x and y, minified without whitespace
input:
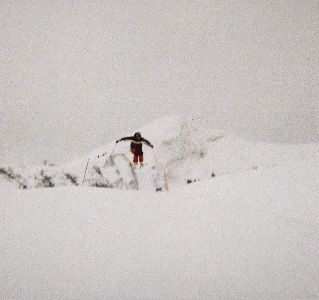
{"x":135,"y":157}
{"x":140,"y":157}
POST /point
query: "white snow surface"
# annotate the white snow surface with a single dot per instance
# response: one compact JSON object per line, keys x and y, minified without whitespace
{"x":253,"y":236}
{"x":250,"y":232}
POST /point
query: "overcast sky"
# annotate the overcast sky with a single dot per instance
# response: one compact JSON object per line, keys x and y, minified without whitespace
{"x":78,"y":74}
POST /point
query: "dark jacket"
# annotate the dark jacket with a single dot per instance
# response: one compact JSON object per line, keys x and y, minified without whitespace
{"x":136,"y":144}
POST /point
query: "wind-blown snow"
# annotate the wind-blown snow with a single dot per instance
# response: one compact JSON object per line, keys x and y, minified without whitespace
{"x":253,"y":236}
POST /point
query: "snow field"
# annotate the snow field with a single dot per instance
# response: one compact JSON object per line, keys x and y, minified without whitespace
{"x":253,"y":236}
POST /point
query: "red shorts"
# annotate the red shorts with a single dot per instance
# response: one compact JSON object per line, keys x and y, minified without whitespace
{"x":137,"y":158}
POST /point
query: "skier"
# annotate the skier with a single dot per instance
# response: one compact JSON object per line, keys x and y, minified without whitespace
{"x":136,"y":146}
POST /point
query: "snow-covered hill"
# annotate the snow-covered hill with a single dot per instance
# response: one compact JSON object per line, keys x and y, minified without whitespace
{"x":253,"y":236}
{"x":183,"y":154}
{"x":246,"y":228}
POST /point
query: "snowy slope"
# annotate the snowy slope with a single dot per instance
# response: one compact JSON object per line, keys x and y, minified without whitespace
{"x":183,"y":154}
{"x":253,"y":236}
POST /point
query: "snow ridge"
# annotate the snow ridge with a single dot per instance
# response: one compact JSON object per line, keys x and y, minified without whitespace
{"x":183,"y":154}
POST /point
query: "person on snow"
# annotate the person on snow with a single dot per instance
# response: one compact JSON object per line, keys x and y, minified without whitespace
{"x":136,"y":146}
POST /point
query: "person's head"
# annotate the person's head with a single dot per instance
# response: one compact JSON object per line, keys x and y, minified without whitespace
{"x":137,"y":135}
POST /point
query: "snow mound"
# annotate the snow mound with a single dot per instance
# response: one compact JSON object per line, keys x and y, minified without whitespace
{"x":174,"y":139}
{"x":183,"y":154}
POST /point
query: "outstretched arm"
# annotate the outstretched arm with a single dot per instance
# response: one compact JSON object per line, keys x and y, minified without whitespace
{"x":127,"y":138}
{"x":147,"y":143}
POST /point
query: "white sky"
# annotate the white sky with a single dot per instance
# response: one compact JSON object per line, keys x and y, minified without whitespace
{"x":78,"y":74}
